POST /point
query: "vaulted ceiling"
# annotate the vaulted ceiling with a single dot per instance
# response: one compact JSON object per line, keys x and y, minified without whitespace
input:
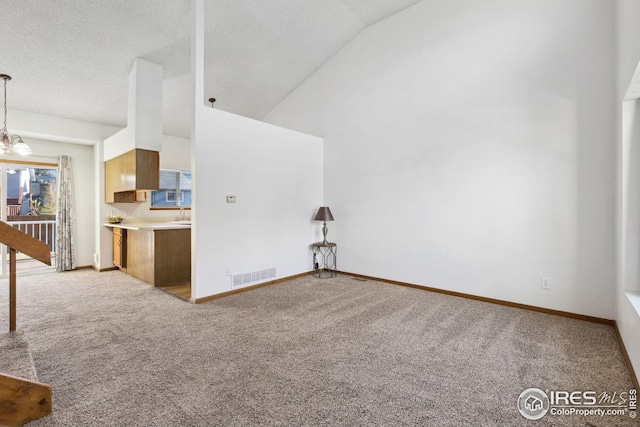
{"x":72,"y":58}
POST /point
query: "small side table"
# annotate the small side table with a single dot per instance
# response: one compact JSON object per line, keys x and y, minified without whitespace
{"x":324,"y":259}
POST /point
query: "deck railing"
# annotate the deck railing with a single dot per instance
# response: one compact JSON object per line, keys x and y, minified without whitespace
{"x":13,"y":210}
{"x":45,"y":231}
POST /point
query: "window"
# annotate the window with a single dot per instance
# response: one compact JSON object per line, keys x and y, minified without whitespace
{"x":30,"y":191}
{"x":174,"y":191}
{"x":171,"y":197}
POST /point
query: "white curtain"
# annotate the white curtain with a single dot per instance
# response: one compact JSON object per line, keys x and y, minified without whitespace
{"x":64,"y":217}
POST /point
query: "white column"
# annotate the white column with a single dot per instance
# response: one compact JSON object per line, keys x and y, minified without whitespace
{"x":197,"y":80}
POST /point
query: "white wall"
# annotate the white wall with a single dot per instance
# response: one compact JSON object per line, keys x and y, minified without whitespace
{"x":117,"y":144}
{"x":276,"y":175}
{"x":175,"y":153}
{"x":58,"y":129}
{"x":468,"y":147}
{"x":628,"y":203}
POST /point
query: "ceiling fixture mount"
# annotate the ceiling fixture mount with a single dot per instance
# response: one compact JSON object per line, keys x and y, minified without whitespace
{"x":14,"y":143}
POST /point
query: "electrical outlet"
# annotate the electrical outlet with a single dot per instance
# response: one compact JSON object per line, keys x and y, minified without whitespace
{"x":228,"y":271}
{"x":231,"y":199}
{"x":545,"y":283}
{"x":96,"y":258}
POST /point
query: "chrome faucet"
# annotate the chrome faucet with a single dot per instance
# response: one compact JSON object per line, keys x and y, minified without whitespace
{"x":181,"y":215}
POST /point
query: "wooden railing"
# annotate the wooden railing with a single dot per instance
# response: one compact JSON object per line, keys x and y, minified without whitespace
{"x":22,"y":400}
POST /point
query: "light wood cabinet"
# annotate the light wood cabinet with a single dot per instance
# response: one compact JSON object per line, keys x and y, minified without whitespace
{"x":128,"y":176}
{"x":141,"y":196}
{"x":119,"y":248}
{"x":111,"y":179}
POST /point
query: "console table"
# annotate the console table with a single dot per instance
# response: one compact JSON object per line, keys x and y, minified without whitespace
{"x":324,"y":259}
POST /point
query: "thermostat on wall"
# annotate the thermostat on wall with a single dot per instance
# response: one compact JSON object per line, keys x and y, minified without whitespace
{"x":231,"y":199}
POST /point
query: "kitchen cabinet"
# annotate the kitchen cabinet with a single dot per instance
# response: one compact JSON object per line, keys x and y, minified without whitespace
{"x":130,"y":175}
{"x":120,"y":248}
{"x":129,"y":197}
{"x":159,"y":257}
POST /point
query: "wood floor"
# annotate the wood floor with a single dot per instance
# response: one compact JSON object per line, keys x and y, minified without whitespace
{"x":182,"y":291}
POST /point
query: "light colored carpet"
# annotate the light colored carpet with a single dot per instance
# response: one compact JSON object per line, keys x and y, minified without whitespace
{"x":305,"y":352}
{"x":15,"y":357}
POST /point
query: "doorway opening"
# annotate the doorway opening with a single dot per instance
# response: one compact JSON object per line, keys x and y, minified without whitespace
{"x":28,"y":203}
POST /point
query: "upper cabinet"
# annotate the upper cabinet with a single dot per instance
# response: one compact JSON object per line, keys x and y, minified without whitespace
{"x":131,"y":174}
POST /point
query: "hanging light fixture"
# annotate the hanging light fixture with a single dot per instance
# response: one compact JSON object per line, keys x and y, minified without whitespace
{"x":14,"y":143}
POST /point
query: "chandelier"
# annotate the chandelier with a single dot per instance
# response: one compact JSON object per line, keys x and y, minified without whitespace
{"x":11,"y":144}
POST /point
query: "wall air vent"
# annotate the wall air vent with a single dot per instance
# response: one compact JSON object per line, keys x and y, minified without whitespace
{"x":246,"y":278}
{"x":252,"y":277}
{"x":237,"y":280}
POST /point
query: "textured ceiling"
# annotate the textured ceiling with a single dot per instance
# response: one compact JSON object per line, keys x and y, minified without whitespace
{"x":72,"y":58}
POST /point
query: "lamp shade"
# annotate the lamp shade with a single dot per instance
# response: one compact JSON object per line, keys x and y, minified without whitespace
{"x":324,"y":214}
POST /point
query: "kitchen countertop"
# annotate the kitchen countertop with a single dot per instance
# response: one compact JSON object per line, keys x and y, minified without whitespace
{"x":150,"y":225}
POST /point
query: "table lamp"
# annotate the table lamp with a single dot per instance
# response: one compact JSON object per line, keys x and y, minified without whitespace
{"x":324,"y":214}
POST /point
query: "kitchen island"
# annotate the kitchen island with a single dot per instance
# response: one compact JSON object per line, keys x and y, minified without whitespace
{"x":156,"y":253}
